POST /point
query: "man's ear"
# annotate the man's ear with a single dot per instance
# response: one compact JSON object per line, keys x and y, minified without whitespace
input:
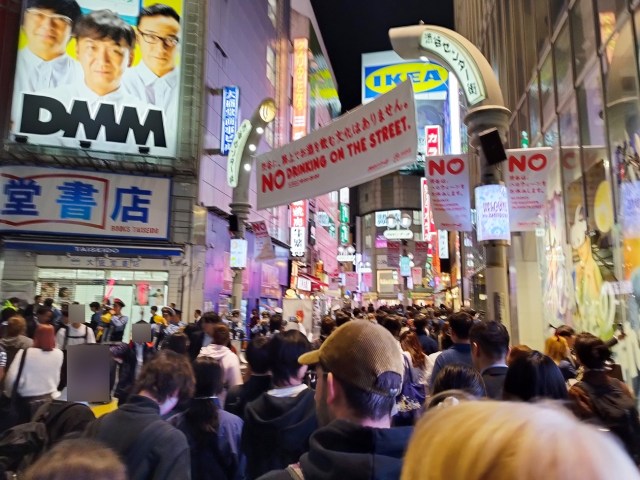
{"x":333,"y":389}
{"x":131,"y":57}
{"x":475,"y":350}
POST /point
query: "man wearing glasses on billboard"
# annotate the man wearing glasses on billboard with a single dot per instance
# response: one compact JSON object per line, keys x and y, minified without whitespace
{"x":156,"y":77}
{"x":44,"y":62}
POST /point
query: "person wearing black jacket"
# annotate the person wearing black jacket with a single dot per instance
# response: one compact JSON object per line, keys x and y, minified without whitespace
{"x":201,"y":335}
{"x":428,"y":343}
{"x":279,"y":422}
{"x":359,"y":369}
{"x":259,"y":382}
{"x":150,"y":447}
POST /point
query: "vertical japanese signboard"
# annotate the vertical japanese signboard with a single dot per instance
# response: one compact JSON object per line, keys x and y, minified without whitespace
{"x":89,"y":203}
{"x":229,"y":122}
{"x":300,"y":87}
{"x":298,"y":223}
{"x":433,"y":140}
{"x":393,"y":254}
{"x":63,"y":97}
{"x":263,"y":246}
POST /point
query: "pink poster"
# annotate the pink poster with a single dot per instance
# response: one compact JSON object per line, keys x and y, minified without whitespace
{"x":421,"y":250}
{"x":526,"y":178}
{"x":416,"y":275}
{"x":393,"y":254}
{"x":351,"y":280}
{"x":448,"y":179}
{"x":367,"y":281}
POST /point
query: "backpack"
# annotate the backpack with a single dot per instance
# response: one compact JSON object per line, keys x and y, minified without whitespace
{"x":22,"y":445}
{"x":411,"y":398}
{"x":616,"y":410}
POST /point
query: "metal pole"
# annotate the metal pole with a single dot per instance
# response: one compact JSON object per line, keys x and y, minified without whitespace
{"x":496,"y":275}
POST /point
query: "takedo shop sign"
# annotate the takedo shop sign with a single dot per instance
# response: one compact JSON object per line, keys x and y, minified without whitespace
{"x":368,"y":142}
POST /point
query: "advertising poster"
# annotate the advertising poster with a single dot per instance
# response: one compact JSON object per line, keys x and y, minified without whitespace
{"x":526,"y":179}
{"x":393,"y":254}
{"x":90,"y":203}
{"x":420,"y":253}
{"x":351,"y":281}
{"x":368,"y":142}
{"x":492,"y":208}
{"x":263,"y":246}
{"x":300,"y":310}
{"x":99,"y":75}
{"x":448,"y":181}
{"x":416,"y":275}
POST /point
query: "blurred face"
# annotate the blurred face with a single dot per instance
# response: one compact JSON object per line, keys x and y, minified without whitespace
{"x":158,"y":39}
{"x":45,"y":317}
{"x":117,"y":308}
{"x":47,"y":32}
{"x":103,"y":62}
{"x":207,"y":328}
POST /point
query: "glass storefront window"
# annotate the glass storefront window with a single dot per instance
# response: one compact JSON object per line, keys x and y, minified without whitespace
{"x":542,"y":25}
{"x":550,"y":138}
{"x":590,"y":110}
{"x":584,"y":37}
{"x":534,"y":108}
{"x":562,"y":56}
{"x":528,"y":36}
{"x":547,"y":93}
{"x":609,"y":13}
{"x":556,"y":7}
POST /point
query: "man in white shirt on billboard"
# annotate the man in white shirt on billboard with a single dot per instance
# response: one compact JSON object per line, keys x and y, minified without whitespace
{"x":43,"y":62}
{"x":156,"y":77}
{"x":105,"y":45}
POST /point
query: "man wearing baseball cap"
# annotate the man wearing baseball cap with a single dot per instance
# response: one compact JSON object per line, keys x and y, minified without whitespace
{"x":359,"y":368}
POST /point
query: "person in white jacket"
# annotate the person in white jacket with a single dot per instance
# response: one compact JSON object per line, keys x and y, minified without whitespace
{"x":229,"y":361}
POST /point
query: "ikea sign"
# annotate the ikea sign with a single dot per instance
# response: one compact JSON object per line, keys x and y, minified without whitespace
{"x":426,"y":77}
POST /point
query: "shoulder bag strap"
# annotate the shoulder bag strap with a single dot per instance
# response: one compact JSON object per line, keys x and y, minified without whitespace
{"x":14,"y":392}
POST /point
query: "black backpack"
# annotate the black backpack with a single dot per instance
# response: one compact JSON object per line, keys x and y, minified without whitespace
{"x":616,"y":410}
{"x":22,"y":445}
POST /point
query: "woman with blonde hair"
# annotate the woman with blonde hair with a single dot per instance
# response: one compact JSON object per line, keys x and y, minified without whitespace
{"x":505,"y":441}
{"x":557,"y":348}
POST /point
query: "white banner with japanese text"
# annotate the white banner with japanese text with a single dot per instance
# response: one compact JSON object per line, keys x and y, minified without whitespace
{"x":76,"y":202}
{"x":526,"y":178}
{"x":263,"y":249}
{"x":368,"y":142}
{"x":448,"y":179}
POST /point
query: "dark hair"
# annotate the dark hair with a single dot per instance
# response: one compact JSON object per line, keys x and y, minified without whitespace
{"x":165,"y":374}
{"x":158,"y":9}
{"x":371,"y":405}
{"x":80,"y":459}
{"x":459,"y":377}
{"x":68,"y":8}
{"x":276,"y":323}
{"x":393,"y":324}
{"x":221,"y":335}
{"x":154,"y":308}
{"x":210,"y":317}
{"x":94,"y":305}
{"x":258,"y":355}
{"x":202,"y":414}
{"x":532,"y":377}
{"x":410,"y":343}
{"x":284,"y":350}
{"x":48,"y":302}
{"x":327,"y":326}
{"x":460,"y":324}
{"x":102,"y":24}
{"x":341,"y":318}
{"x":199,"y":312}
{"x":565,"y":331}
{"x":357,"y":312}
{"x":591,"y":351}
{"x":420,"y":323}
{"x":492,"y":338}
{"x":178,"y":342}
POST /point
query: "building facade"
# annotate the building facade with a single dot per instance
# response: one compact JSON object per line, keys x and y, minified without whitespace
{"x":569,"y":73}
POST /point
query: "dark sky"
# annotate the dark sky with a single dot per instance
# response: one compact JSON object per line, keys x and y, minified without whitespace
{"x":352,"y":27}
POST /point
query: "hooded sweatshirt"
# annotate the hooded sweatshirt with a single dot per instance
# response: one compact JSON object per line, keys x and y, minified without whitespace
{"x":13,"y":344}
{"x":277,"y":430}
{"x":345,"y":450}
{"x":229,"y":362}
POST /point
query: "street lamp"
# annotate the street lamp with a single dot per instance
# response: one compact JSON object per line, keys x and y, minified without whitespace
{"x":242,"y":150}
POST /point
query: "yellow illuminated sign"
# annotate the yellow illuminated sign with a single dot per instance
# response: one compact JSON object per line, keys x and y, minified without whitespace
{"x":424,"y":76}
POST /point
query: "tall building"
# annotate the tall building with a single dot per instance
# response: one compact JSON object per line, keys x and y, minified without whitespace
{"x":569,"y":74}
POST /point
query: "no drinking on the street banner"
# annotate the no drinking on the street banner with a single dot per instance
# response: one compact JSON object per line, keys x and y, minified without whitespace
{"x":368,"y":142}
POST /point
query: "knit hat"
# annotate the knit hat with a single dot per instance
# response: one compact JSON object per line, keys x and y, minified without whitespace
{"x":358,"y":352}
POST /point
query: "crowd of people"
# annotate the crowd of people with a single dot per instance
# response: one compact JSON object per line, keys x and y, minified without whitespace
{"x":379,"y":394}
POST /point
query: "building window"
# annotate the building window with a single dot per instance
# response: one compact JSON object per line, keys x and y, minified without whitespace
{"x":542,"y":25}
{"x":547,"y":94}
{"x":556,"y":7}
{"x":584,"y":36}
{"x":272,"y":10}
{"x":271,"y":65}
{"x":590,"y":108}
{"x":562,"y":56}
{"x":534,"y":108}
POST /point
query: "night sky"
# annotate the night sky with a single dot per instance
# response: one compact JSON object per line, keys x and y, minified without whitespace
{"x":352,"y":27}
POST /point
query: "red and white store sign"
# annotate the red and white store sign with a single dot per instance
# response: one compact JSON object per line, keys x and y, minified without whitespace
{"x":298,"y":223}
{"x":433,"y":140}
{"x":526,"y":178}
{"x":448,"y":182}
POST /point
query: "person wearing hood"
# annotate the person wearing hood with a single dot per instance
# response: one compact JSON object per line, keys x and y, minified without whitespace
{"x":229,"y":361}
{"x":359,"y":370}
{"x":279,"y":422}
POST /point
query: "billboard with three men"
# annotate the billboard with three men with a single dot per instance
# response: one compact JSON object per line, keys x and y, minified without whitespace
{"x":99,"y":74}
